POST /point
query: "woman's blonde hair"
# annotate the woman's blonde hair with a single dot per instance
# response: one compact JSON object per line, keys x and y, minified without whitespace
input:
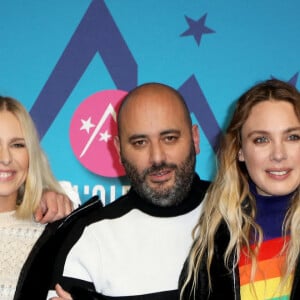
{"x":39,"y":176}
{"x":225,"y":199}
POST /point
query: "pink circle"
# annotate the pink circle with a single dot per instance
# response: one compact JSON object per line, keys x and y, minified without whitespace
{"x":92,"y":131}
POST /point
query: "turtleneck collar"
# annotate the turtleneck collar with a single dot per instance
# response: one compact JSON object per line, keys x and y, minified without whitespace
{"x":271,"y":212}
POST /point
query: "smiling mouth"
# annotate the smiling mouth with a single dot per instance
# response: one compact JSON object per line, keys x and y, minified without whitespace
{"x":278,"y":173}
{"x":5,"y":174}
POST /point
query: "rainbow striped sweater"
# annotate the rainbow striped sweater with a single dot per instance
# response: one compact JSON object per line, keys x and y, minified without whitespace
{"x":270,"y":261}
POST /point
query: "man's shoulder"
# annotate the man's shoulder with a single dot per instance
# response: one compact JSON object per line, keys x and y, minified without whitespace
{"x":93,"y":211}
{"x":200,"y":184}
{"x":85,"y":212}
{"x":205,"y":183}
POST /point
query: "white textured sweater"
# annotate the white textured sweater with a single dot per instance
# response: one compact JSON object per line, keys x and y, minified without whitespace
{"x":17,"y":238}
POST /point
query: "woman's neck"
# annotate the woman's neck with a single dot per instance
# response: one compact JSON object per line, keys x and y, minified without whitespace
{"x":8,"y":203}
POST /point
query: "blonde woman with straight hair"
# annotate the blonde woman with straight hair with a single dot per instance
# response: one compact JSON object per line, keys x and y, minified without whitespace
{"x":247,"y":242}
{"x":24,"y":176}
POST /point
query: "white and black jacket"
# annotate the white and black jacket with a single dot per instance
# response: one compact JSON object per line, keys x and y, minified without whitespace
{"x":129,"y":249}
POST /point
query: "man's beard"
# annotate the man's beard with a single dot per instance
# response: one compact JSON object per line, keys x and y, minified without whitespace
{"x":171,"y":196}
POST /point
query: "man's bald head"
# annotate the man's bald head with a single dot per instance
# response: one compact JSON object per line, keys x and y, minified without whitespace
{"x":157,"y":92}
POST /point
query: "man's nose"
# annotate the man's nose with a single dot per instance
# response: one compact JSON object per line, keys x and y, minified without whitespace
{"x":157,"y":153}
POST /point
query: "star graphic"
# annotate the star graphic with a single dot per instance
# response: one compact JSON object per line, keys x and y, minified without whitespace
{"x":105,"y":136}
{"x":292,"y":81}
{"x":87,"y":125}
{"x":197,"y":28}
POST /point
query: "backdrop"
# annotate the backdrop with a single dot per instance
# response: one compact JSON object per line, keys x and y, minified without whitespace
{"x":71,"y":61}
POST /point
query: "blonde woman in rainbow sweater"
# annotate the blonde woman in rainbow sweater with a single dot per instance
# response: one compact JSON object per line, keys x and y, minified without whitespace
{"x":247,"y":241}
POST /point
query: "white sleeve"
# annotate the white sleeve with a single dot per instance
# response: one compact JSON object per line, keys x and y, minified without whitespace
{"x":82,"y":261}
{"x":51,"y":294}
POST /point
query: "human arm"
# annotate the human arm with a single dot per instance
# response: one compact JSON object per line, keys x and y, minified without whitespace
{"x":54,"y":206}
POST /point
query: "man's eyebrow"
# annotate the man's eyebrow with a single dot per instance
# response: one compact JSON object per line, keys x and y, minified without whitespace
{"x":137,"y":136}
{"x":170,"y":131}
{"x":144,"y":136}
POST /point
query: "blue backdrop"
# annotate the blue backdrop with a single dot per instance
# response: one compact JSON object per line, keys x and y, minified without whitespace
{"x":56,"y":54}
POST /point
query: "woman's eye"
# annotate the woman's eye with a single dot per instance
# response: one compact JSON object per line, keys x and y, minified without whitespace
{"x":294,"y":137}
{"x":18,"y":145}
{"x":260,"y":140}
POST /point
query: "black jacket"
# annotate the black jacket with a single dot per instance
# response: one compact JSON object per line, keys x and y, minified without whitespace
{"x":57,"y":238}
{"x":225,"y":283}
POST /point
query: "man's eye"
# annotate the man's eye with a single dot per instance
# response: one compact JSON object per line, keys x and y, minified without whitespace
{"x":171,"y":138}
{"x":139,"y":143}
{"x":260,"y":140}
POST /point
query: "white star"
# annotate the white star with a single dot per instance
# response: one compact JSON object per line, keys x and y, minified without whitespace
{"x":105,"y":136}
{"x":87,"y":125}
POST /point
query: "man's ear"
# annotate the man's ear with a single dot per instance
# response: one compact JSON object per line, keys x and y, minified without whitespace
{"x":196,"y":138}
{"x":118,"y":147}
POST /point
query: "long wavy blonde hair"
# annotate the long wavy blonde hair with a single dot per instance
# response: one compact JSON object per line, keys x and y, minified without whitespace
{"x":225,"y":200}
{"x":39,"y":176}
